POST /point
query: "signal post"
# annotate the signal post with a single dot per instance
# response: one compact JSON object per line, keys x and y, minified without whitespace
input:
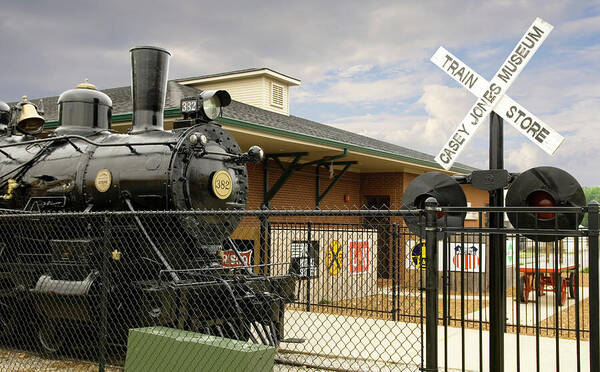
{"x":493,"y":101}
{"x":497,"y":251}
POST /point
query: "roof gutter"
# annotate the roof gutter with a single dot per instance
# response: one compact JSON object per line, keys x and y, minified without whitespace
{"x":333,"y":143}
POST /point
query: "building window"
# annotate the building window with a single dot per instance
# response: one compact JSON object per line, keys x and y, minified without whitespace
{"x":277,"y":95}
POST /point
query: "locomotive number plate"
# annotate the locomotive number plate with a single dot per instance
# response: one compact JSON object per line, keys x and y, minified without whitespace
{"x":103,"y":180}
{"x":222,"y":184}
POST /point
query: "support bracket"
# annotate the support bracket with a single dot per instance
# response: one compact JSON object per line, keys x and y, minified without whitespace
{"x":269,"y":193}
{"x":288,"y":171}
{"x":320,"y":196}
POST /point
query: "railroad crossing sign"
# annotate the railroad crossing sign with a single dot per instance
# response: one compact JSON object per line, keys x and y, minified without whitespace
{"x":492,"y":97}
{"x":418,"y":257}
{"x":334,"y":257}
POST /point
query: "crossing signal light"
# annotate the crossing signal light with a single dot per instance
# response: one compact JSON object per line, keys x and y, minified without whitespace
{"x":445,"y":190}
{"x":545,"y":187}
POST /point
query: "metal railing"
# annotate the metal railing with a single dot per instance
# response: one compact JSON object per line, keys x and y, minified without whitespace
{"x":551,"y":293}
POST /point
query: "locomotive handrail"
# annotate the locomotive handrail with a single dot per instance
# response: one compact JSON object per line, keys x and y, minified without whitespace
{"x":74,"y":136}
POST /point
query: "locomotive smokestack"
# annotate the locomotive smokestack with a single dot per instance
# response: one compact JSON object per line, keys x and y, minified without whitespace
{"x":149,"y":68}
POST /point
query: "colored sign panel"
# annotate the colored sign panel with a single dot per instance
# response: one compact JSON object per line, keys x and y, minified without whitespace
{"x":334,"y":257}
{"x":306,"y":257}
{"x":231,"y":260}
{"x":468,"y":258}
{"x":358,"y":257}
{"x":418,"y":256}
{"x":496,"y":89}
{"x":471,"y":258}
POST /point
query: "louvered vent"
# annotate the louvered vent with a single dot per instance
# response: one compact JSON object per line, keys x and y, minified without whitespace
{"x":277,"y":95}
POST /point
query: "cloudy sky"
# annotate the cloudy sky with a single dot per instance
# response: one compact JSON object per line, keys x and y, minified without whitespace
{"x":364,"y":66}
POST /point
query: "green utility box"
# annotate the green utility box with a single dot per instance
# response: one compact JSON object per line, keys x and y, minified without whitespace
{"x":167,"y":349}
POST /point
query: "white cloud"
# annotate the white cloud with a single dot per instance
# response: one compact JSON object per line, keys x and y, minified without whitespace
{"x":526,"y":156}
{"x":445,"y":108}
{"x":368,"y":92}
{"x":587,"y":25}
{"x":354,"y":70}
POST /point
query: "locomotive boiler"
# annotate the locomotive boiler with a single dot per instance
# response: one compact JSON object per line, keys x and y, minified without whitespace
{"x":151,"y":268}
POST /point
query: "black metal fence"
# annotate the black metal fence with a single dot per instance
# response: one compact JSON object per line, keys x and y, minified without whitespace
{"x":337,"y":290}
{"x":550,"y":279}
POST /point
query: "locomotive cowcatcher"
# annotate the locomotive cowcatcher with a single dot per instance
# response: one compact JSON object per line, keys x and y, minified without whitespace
{"x":80,"y":226}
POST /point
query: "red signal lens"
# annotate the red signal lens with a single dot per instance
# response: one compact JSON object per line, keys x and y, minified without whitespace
{"x":542,"y":199}
{"x":420,"y":204}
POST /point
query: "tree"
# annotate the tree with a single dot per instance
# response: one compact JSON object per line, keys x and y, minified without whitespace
{"x":591,"y":194}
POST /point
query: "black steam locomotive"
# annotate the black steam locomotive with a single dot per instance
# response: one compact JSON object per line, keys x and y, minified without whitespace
{"x":161,"y":269}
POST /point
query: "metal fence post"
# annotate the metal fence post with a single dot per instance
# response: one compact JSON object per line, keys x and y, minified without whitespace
{"x":262,"y":244}
{"x":104,"y":296}
{"x":395,"y":268}
{"x":309,"y":251}
{"x":431,"y":287}
{"x":594,"y":290}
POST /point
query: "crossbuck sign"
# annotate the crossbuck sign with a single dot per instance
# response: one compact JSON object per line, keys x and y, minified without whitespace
{"x":492,"y":97}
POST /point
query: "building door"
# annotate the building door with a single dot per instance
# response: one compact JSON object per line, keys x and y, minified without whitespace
{"x":383,"y":227}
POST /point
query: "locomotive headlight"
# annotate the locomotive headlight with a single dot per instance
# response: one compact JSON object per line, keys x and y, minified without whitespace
{"x":213,"y":101}
{"x":212,"y":107}
{"x":206,"y":106}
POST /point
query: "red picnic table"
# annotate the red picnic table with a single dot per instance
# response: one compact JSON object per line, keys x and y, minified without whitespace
{"x":548,"y":283}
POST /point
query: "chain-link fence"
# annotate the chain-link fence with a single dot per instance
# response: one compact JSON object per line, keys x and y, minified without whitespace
{"x":168,"y":290}
{"x":282,"y":290}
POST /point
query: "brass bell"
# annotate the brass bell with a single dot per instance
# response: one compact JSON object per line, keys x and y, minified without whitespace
{"x":30,"y":120}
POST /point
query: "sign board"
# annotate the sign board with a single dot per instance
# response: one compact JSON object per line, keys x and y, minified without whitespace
{"x":358,"y":257}
{"x":333,"y":260}
{"x":418,"y":256}
{"x":492,"y":97}
{"x":231,"y":260}
{"x":471,"y":256}
{"x":307,"y":258}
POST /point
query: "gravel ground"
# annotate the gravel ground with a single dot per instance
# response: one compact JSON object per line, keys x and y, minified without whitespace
{"x":408,"y":308}
{"x":20,"y":361}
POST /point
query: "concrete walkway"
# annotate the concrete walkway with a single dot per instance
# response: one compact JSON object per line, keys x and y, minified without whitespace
{"x":527,"y":310}
{"x":361,"y":344}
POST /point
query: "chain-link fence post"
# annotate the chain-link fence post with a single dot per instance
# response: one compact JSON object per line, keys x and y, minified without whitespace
{"x":104,"y":295}
{"x":395,"y":268}
{"x":262,"y":244}
{"x":431,"y":286}
{"x":594,"y":290}
{"x":265,"y":245}
{"x":309,"y":252}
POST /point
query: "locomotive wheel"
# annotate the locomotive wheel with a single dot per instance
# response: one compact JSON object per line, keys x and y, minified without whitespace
{"x":523,"y":294}
{"x":50,"y":337}
{"x":572,"y":284}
